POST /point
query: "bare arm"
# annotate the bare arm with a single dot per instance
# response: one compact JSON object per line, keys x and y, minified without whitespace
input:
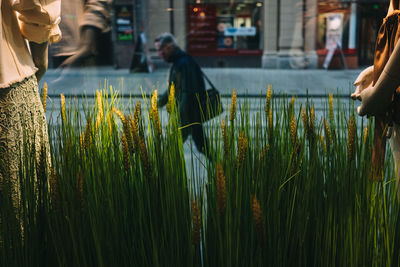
{"x":377,"y":99}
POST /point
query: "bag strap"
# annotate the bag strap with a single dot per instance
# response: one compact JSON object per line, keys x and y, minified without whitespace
{"x":208,"y":80}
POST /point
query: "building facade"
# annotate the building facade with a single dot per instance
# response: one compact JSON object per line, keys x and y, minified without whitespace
{"x":255,"y":33}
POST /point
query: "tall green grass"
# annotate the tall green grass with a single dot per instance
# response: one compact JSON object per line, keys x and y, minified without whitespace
{"x":286,"y":187}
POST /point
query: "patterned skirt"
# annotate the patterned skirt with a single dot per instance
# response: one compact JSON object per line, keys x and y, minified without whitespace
{"x":23,"y":128}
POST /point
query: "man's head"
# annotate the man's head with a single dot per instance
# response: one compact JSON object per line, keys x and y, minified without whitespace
{"x":165,"y":44}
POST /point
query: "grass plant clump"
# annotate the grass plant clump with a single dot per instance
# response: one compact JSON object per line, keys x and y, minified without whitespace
{"x":286,"y":187}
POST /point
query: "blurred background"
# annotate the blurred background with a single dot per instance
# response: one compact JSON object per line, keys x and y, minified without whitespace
{"x":270,"y":34}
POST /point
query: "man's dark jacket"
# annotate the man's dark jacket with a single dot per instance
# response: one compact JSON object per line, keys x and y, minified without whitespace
{"x":187,"y":76}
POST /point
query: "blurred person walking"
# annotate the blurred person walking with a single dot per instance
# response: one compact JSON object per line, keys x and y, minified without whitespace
{"x":185,"y":74}
{"x":86,"y":28}
{"x":22,"y":119}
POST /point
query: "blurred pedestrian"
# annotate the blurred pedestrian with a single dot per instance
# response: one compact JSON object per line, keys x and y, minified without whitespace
{"x":378,"y":89}
{"x":22,"y":119}
{"x":185,"y":74}
{"x":141,"y":61}
{"x":86,"y":27}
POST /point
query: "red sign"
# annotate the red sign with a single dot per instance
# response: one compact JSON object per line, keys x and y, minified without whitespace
{"x":202,"y":28}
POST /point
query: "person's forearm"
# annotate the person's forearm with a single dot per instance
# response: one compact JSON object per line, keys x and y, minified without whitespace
{"x":39,"y":55}
{"x":389,"y":79}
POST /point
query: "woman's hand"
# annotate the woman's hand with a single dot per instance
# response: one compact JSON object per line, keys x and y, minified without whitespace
{"x":363,"y":81}
{"x":40,"y":58}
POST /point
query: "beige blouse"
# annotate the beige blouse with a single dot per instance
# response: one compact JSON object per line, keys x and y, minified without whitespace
{"x":22,"y":21}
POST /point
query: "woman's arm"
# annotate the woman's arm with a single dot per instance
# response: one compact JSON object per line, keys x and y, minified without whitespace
{"x":377,"y":99}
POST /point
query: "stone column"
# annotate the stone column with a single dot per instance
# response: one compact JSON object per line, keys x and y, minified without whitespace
{"x":270,"y":34}
{"x":310,"y":36}
{"x":180,"y":22}
{"x":353,"y":26}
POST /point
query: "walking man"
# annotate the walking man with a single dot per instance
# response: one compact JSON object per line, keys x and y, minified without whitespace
{"x":187,"y":77}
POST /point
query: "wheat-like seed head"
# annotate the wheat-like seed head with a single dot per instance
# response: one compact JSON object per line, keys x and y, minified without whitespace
{"x":268,"y":101}
{"x":331,"y":115}
{"x":196,"y":220}
{"x":125,"y":152}
{"x":351,"y":130}
{"x":323,"y":144}
{"x":257,"y":216}
{"x":221,"y":189}
{"x":365,"y":134}
{"x":44,"y":96}
{"x":233,"y":106}
{"x":293,"y":130}
{"x":243,"y":145}
{"x":63,"y":110}
{"x":328,"y":135}
{"x":171,"y":98}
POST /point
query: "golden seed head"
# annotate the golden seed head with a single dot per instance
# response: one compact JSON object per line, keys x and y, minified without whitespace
{"x":63,"y":110}
{"x":304,"y":117}
{"x":99,"y":103}
{"x":323,"y":144}
{"x":312,"y":118}
{"x":293,"y":129}
{"x":328,"y":135}
{"x":243,"y":144}
{"x":221,"y":189}
{"x":196,"y":221}
{"x":233,"y":106}
{"x":128,"y":132}
{"x":268,"y":102}
{"x":225,"y":137}
{"x":154,"y":113}
{"x":44,"y":96}
{"x":270,"y":124}
{"x":135,"y":132}
{"x":331,"y":115}
{"x":119,"y":114}
{"x":365,"y":134}
{"x":351,"y":130}
{"x":171,"y":98}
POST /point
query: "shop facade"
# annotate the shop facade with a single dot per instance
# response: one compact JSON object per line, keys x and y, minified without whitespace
{"x":285,"y":34}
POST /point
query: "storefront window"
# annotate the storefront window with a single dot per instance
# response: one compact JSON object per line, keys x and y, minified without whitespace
{"x":223,"y":27}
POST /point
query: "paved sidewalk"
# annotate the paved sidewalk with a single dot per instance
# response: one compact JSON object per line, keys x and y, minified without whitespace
{"x":252,"y":81}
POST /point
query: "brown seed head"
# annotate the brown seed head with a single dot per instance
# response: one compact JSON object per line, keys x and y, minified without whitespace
{"x":331,"y":115}
{"x":196,"y":221}
{"x":145,"y":159}
{"x":221,"y":189}
{"x":243,"y":144}
{"x":233,"y":106}
{"x":328,"y":135}
{"x":351,"y":130}
{"x":293,"y":130}
{"x":257,"y":216}
{"x":225,"y":137}
{"x":268,"y":101}
{"x":125,"y":153}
